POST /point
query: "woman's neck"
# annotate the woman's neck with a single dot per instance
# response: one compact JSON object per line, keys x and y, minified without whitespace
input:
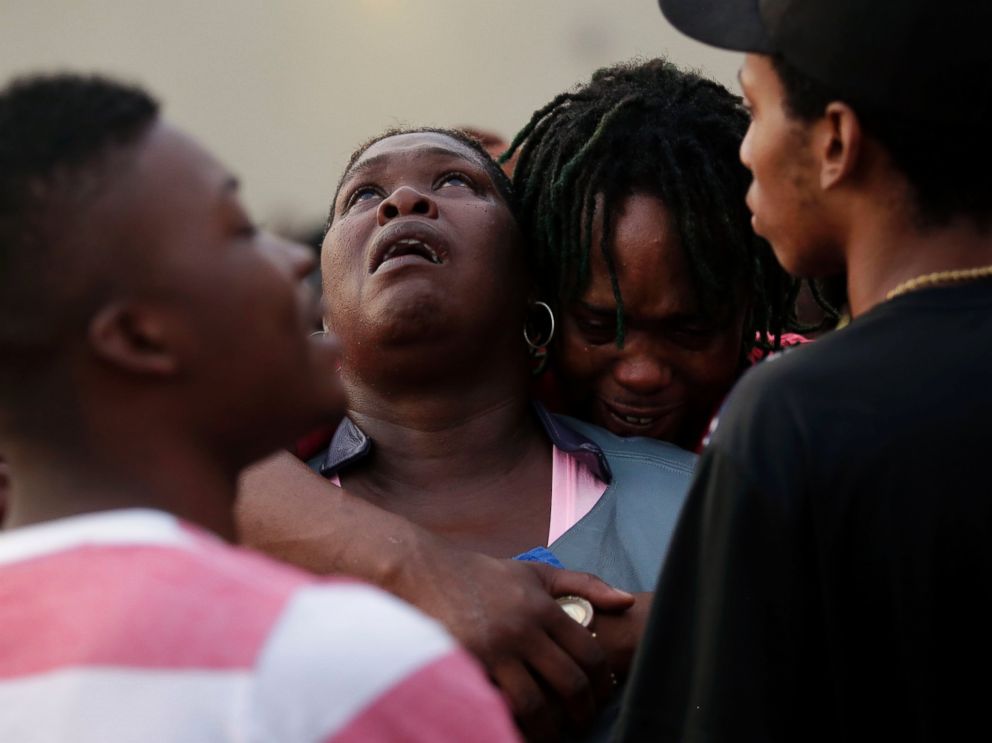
{"x":474,"y":466}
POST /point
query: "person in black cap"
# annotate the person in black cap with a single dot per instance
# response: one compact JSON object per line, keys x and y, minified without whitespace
{"x":831,"y":573}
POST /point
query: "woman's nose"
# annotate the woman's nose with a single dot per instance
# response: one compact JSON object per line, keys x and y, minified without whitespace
{"x":403,"y":202}
{"x":642,"y":373}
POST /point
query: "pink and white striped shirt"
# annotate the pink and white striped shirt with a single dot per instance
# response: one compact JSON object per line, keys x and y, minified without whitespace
{"x":132,"y":626}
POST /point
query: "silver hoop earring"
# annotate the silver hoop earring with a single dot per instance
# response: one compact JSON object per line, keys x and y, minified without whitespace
{"x":535,"y":345}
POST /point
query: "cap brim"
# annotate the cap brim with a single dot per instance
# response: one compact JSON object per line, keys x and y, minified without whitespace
{"x":728,"y":24}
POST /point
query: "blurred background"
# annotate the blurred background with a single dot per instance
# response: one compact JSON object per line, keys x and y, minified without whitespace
{"x":284,"y":91}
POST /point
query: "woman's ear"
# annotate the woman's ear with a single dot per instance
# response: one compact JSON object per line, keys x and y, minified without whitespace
{"x":838,"y":144}
{"x":132,"y":338}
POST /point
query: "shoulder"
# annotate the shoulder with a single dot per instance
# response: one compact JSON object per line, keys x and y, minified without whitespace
{"x":777,"y":387}
{"x":237,"y":575}
{"x":349,"y":660}
{"x":166,"y":596}
{"x":783,"y":415}
{"x":635,"y":452}
{"x":624,"y":537}
{"x":349,"y":620}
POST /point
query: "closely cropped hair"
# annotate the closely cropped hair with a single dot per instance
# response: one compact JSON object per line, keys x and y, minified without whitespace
{"x":500,"y":179}
{"x":55,"y":132}
{"x":947,"y":160}
{"x":52,"y":126}
{"x":650,"y":128}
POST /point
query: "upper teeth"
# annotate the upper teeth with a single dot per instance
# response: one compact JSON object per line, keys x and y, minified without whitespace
{"x":636,"y":420}
{"x":408,"y":242}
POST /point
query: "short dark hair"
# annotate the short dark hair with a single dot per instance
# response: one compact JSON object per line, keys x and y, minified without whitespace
{"x":946,"y":160}
{"x":654,"y":128}
{"x":55,"y":133}
{"x":500,"y":179}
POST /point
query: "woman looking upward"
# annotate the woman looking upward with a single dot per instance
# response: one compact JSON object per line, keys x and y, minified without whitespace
{"x":427,"y":285}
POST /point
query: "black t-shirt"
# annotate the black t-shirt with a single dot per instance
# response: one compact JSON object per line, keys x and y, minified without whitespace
{"x":831,"y":574}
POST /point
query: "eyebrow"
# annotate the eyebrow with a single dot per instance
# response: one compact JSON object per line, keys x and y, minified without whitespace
{"x":376,"y":160}
{"x":679,"y":314}
{"x":593,"y":309}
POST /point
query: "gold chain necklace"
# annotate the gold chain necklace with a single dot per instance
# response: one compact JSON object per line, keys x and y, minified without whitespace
{"x":940,"y":277}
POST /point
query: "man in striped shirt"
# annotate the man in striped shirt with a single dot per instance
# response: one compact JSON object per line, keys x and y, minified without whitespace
{"x":153,"y":344}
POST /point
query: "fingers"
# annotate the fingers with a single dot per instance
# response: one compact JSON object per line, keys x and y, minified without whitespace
{"x":536,"y":718}
{"x":556,"y":666}
{"x":574,"y":640}
{"x":618,"y":635}
{"x":571,"y":684}
{"x":550,"y":668}
{"x":579,"y":644}
{"x":602,"y":595}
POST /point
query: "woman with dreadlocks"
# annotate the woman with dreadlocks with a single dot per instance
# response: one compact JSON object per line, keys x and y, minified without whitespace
{"x":632,"y":198}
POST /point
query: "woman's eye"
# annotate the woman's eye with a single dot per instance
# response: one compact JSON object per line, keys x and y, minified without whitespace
{"x":362,"y":194}
{"x":596,"y":332}
{"x":694,"y":330}
{"x":454,"y":179}
{"x":693,"y":335}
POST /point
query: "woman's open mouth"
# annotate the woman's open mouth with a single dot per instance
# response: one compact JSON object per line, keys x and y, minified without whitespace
{"x":409,"y":247}
{"x":407,"y":243}
{"x":630,"y":421}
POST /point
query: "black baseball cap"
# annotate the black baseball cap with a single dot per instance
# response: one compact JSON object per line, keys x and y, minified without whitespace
{"x":895,"y":56}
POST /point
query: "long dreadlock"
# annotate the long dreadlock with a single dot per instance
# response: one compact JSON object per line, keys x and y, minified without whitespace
{"x":650,"y":128}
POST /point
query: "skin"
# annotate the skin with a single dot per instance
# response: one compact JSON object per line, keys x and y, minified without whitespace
{"x":433,"y":369}
{"x":162,"y":343}
{"x":783,"y":199}
{"x":676,"y":365}
{"x":437,"y":375}
{"x":827,"y":196}
{"x":423,"y":185}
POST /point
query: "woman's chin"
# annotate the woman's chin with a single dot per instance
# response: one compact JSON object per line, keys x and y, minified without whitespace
{"x":405,"y":319}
